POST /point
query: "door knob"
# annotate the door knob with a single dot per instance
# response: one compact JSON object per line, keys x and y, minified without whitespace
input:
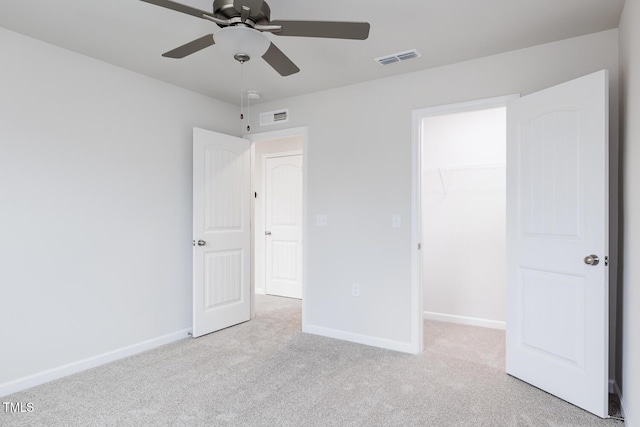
{"x":201,"y":243}
{"x":267,"y":233}
{"x":592,"y":260}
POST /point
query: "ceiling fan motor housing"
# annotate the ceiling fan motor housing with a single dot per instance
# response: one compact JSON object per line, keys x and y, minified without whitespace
{"x":224,"y":9}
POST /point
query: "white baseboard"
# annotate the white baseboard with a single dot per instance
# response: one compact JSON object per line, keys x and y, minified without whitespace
{"x":403,"y":347}
{"x":464,"y":320}
{"x":88,"y":363}
{"x":260,"y":291}
{"x":616,"y":390}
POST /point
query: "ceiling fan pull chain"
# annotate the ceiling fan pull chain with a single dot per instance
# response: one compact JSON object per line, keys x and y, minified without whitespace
{"x":241,"y":90}
{"x":248,"y":112}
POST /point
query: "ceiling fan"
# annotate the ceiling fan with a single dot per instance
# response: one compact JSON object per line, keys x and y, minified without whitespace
{"x":242,"y":23}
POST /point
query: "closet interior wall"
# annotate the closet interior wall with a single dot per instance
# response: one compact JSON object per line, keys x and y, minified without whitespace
{"x":463,"y":217}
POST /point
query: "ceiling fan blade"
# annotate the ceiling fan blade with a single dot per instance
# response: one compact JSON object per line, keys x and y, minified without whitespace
{"x":328,"y":29}
{"x":191,"y":47}
{"x":279,"y":61}
{"x":254,"y":5}
{"x":178,"y":7}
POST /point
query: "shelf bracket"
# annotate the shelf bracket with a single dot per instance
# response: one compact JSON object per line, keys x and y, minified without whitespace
{"x":444,"y":188}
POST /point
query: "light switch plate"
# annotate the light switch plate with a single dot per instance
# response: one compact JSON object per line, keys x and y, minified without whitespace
{"x":322,"y":220}
{"x":396,"y":221}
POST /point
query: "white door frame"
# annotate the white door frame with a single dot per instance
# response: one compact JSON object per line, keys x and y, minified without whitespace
{"x":417,"y":341}
{"x":303,"y":133}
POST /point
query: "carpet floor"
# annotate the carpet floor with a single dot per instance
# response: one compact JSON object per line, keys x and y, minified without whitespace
{"x":266,"y":372}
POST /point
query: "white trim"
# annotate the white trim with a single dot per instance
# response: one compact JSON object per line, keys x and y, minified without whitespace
{"x":417,"y":325}
{"x":417,"y":343}
{"x":280,"y":154}
{"x":24,"y":383}
{"x":252,"y":231}
{"x":404,"y":347}
{"x":277,"y":134}
{"x":303,"y":132}
{"x":465,"y":320}
{"x":461,"y":107}
{"x":618,"y":392}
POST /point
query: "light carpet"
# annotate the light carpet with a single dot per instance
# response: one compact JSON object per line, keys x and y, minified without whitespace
{"x":267,"y":373}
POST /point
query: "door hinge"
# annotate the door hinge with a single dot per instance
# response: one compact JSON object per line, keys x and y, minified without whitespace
{"x":419,"y":246}
{"x":255,"y":195}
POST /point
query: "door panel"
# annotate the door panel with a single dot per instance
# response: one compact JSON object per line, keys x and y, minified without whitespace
{"x":221,"y":197}
{"x":557,"y":205}
{"x":553,"y":316}
{"x":222,"y":278}
{"x":283,"y":220}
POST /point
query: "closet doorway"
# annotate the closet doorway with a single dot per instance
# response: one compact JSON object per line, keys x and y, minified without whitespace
{"x":463,"y":218}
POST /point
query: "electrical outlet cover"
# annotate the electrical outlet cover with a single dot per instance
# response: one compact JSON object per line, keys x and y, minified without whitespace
{"x":322,"y":220}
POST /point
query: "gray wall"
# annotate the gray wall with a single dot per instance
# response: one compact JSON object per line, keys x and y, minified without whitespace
{"x":629,"y":348}
{"x":95,"y":217}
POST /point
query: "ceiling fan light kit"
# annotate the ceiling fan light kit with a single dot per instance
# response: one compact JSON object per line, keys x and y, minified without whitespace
{"x":242,"y":42}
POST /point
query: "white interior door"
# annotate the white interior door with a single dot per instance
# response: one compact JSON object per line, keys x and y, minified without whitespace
{"x":221,"y":231}
{"x":557,"y":205}
{"x":283,"y":225}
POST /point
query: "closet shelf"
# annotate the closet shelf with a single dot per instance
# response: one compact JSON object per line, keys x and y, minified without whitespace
{"x":463,"y":168}
{"x":468,"y":168}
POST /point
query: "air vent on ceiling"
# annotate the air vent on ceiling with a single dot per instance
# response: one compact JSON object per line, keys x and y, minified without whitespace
{"x":273,"y":117}
{"x":398,"y":57}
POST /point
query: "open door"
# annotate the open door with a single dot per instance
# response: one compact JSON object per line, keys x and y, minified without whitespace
{"x":221,"y":231}
{"x":557,"y":241}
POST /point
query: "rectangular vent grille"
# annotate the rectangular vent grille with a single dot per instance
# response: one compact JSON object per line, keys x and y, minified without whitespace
{"x":273,"y":117}
{"x":398,"y":57}
{"x":388,"y":60}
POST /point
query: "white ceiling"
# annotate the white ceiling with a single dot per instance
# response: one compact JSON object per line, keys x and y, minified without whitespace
{"x":133,"y":35}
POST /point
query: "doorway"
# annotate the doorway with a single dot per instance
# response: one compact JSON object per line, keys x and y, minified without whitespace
{"x":443,"y":175}
{"x":278,"y":207}
{"x":463,"y":216}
